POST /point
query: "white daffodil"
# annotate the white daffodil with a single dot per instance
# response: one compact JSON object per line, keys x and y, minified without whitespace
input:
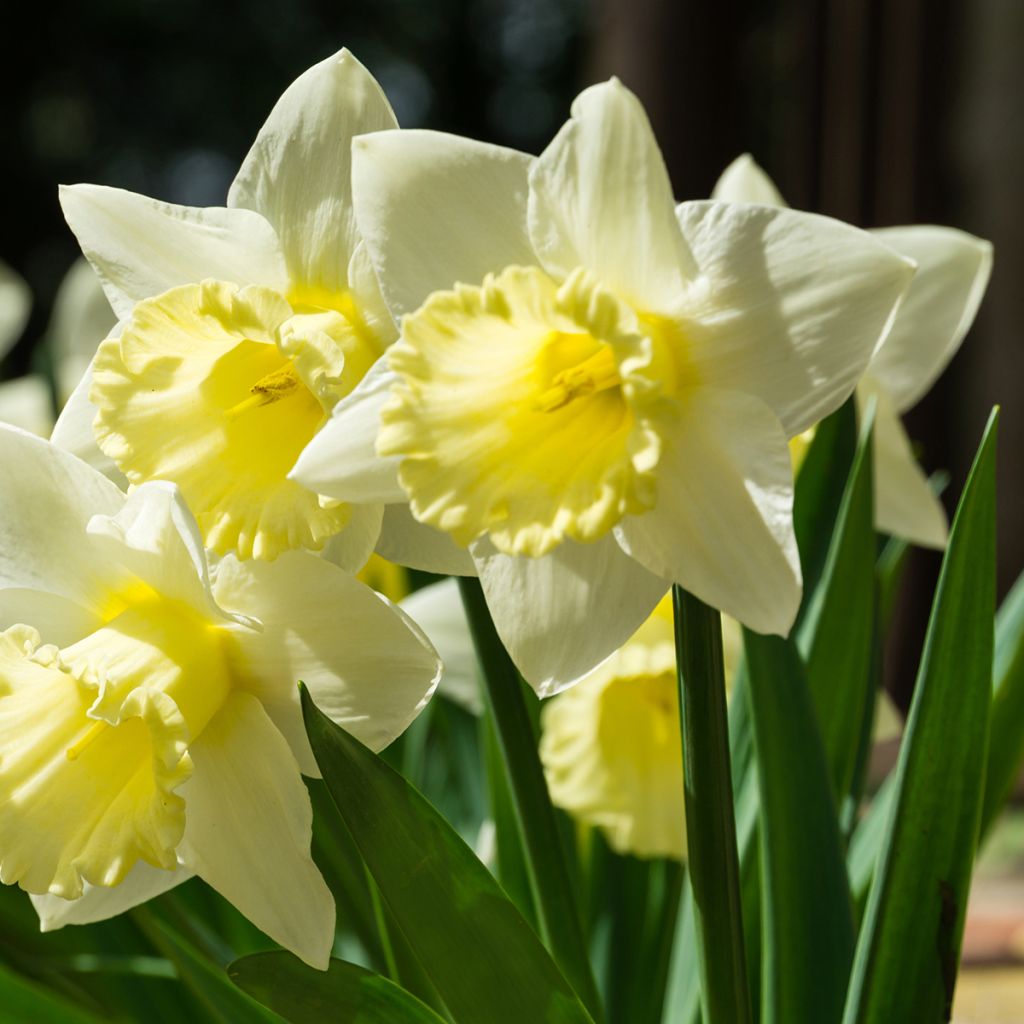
{"x":150,"y":725}
{"x":81,"y":319}
{"x":602,"y":405}
{"x":953,"y":269}
{"x":15,"y":304}
{"x":241,"y":327}
{"x":24,"y":401}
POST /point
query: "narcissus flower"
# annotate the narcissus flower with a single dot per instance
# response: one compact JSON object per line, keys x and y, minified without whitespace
{"x":593,"y":390}
{"x":150,"y":726}
{"x":953,"y":269}
{"x":241,"y":327}
{"x":611,"y":745}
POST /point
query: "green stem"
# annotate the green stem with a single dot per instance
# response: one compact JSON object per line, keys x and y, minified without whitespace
{"x":710,"y":819}
{"x":550,"y":879}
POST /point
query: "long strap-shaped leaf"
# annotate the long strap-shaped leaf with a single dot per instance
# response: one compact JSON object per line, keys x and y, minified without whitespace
{"x":1006,"y":742}
{"x":344,"y":992}
{"x":807,"y":918}
{"x":909,"y":946}
{"x":485,"y":961}
{"x":836,"y":635}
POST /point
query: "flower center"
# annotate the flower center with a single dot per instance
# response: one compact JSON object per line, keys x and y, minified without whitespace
{"x":597,"y":372}
{"x":522,"y":411}
{"x":271,"y":388}
{"x":218,"y":389}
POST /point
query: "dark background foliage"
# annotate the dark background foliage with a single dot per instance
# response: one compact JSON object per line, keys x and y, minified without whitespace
{"x":876,"y":111}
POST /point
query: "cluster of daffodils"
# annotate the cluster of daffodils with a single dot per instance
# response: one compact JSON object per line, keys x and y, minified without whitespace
{"x":540,"y":371}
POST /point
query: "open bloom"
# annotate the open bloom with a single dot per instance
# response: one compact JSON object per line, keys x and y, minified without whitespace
{"x":150,"y":726}
{"x":24,"y":401}
{"x":602,"y":405}
{"x":241,"y":327}
{"x":953,"y":269}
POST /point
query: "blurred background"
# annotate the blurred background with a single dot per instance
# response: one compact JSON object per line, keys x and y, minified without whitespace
{"x":876,"y":111}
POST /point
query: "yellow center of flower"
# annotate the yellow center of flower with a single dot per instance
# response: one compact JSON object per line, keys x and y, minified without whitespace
{"x":597,"y":372}
{"x":94,"y":742}
{"x":525,"y":411}
{"x":218,"y":389}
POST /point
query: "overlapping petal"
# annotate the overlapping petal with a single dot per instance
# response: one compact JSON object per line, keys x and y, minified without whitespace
{"x":46,"y":501}
{"x":905,"y":505}
{"x":600,"y":198}
{"x":140,"y":247}
{"x":786,"y":306}
{"x":953,"y":269}
{"x":249,"y":827}
{"x":560,"y":615}
{"x":297,"y":174}
{"x":366,"y":664}
{"x":723,"y":524}
{"x":474,"y":221}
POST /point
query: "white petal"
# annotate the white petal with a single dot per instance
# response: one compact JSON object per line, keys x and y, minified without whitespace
{"x":600,"y":198}
{"x":26,"y":402}
{"x":562,"y":614}
{"x":74,"y":432}
{"x":298,"y":172}
{"x":953,"y":269}
{"x":404,"y":540}
{"x":342,"y":461}
{"x":46,"y":500}
{"x":723,"y":524}
{"x":59,"y":620}
{"x":248,"y":827}
{"x":156,"y":538}
{"x":365,"y":663}
{"x":744,"y":181}
{"x":140,"y":247}
{"x":351,"y":549}
{"x":434,"y":209}
{"x":98,"y":903}
{"x":437,"y":609}
{"x":905,"y":506}
{"x":15,"y":303}
{"x":789,"y":306}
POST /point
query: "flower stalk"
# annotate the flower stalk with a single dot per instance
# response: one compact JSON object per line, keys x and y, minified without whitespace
{"x":710,"y":819}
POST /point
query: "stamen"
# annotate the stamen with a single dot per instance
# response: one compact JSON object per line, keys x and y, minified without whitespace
{"x":598,"y":373}
{"x":267,"y":390}
{"x":76,"y":749}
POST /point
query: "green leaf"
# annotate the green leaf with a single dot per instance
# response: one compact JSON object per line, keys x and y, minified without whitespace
{"x":836,"y":636}
{"x":819,"y":489}
{"x":24,"y":1000}
{"x":344,"y":992}
{"x":909,"y":946}
{"x":485,"y":961}
{"x":551,"y":871}
{"x":808,"y":922}
{"x":1006,"y":739}
{"x":204,"y":979}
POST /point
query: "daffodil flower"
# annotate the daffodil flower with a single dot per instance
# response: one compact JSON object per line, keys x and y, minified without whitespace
{"x":953,"y":269}
{"x":601,"y":406}
{"x":150,"y":726}
{"x":241,"y":327}
{"x":15,"y":304}
{"x":611,"y":746}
